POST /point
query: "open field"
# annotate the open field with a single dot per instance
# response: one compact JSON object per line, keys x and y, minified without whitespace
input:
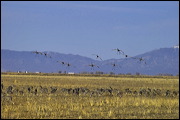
{"x":76,"y":96}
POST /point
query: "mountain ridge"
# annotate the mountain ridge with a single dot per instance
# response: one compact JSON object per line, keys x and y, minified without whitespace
{"x":159,"y":61}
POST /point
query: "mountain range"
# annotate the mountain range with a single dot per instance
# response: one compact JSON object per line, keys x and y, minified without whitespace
{"x":159,"y":61}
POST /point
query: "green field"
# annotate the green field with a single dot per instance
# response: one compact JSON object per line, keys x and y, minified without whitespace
{"x":48,"y":96}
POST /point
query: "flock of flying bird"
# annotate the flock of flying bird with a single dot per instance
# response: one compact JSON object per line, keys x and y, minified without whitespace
{"x":119,"y":52}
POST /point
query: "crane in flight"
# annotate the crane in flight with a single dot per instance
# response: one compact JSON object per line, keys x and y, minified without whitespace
{"x":66,"y":64}
{"x":114,"y":65}
{"x":93,"y":65}
{"x":127,"y":56}
{"x":142,"y":60}
{"x":36,"y":52}
{"x":119,"y":51}
{"x":63,"y":63}
{"x":97,"y":56}
{"x":47,"y":55}
{"x":69,"y":65}
{"x":41,"y":53}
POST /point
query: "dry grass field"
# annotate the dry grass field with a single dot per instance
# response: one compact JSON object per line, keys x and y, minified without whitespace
{"x":53,"y":96}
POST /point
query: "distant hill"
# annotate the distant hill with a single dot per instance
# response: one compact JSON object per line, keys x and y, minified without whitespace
{"x":163,"y":60}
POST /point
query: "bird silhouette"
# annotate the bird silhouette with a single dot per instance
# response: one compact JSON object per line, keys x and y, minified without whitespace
{"x":93,"y":65}
{"x":97,"y":56}
{"x":119,"y":51}
{"x":36,"y":52}
{"x":63,"y":63}
{"x":47,"y":55}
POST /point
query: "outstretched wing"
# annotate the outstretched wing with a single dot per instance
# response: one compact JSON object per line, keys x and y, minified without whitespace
{"x":97,"y":56}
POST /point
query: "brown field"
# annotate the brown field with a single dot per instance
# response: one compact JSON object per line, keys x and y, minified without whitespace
{"x":60,"y":96}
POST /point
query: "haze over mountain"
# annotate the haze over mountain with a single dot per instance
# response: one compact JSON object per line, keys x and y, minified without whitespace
{"x":163,"y":60}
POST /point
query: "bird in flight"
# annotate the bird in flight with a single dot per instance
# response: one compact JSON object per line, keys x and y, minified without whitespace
{"x":36,"y":52}
{"x":141,"y":60}
{"x":69,"y":65}
{"x":114,"y":65}
{"x":63,"y":63}
{"x":46,"y":54}
{"x":97,"y":56}
{"x":127,"y":56}
{"x":41,"y":53}
{"x":119,"y":51}
{"x":93,"y":65}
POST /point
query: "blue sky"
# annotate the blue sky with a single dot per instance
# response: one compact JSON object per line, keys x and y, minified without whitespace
{"x":87,"y":27}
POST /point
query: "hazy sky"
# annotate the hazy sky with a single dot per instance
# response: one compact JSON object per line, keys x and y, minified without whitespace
{"x":89,"y":27}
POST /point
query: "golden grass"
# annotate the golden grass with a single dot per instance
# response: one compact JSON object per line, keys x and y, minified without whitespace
{"x":62,"y":106}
